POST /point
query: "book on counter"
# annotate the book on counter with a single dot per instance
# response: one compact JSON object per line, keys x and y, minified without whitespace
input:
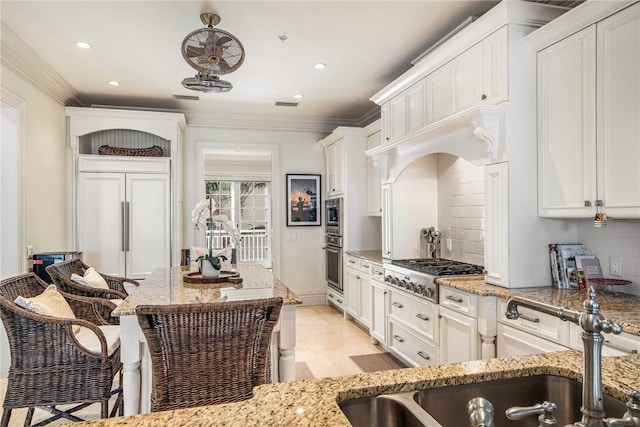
{"x":562,"y":259}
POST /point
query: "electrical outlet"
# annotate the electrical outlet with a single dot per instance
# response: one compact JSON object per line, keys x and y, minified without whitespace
{"x":292,"y":237}
{"x":449,"y":244}
{"x":29,"y":251}
{"x":615,"y":266}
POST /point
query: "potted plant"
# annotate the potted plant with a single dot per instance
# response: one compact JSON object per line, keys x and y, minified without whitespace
{"x":210,"y":266}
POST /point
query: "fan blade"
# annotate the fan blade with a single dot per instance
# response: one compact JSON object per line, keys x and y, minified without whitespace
{"x":222,"y":40}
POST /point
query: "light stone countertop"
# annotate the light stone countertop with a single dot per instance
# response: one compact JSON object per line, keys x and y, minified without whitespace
{"x":315,"y":402}
{"x":621,"y":308}
{"x":166,"y":286}
{"x":368,"y":255}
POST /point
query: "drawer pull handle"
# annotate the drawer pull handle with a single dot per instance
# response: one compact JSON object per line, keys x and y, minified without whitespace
{"x":529,"y":318}
{"x":339,"y":301}
{"x":397,"y":304}
{"x":424,"y":355}
{"x":398,"y":338}
{"x":422,"y":316}
{"x":458,"y":300}
{"x":622,"y":349}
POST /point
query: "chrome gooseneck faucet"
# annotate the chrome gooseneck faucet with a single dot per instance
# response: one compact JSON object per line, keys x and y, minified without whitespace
{"x":593,"y":325}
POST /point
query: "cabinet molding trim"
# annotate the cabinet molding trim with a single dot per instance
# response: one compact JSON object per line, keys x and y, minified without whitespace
{"x":473,"y":134}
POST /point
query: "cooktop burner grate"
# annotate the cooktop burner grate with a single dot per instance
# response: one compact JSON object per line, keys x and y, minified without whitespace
{"x":439,"y":266}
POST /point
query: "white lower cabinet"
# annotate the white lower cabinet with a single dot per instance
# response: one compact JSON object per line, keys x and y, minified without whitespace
{"x":515,"y":342}
{"x":458,"y":337}
{"x":613,"y":345}
{"x":413,"y":328}
{"x":532,"y":333}
{"x":410,"y":346}
{"x":359,"y":293}
{"x":379,"y":296}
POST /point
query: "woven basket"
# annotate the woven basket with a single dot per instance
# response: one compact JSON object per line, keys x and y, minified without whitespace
{"x":107,"y":150}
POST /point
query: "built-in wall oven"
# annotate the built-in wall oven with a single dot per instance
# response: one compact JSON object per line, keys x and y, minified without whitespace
{"x":333,"y":243}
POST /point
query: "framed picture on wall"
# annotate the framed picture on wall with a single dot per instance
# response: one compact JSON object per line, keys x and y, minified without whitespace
{"x":303,"y":200}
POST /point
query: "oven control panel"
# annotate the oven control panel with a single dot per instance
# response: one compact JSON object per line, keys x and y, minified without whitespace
{"x":424,"y":288}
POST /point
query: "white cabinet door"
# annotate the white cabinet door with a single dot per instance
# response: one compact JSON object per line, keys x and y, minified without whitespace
{"x":387,"y":221}
{"x":335,"y":168}
{"x":618,"y":95}
{"x":567,"y":127}
{"x":496,"y":242}
{"x":379,"y":315}
{"x":416,"y":103}
{"x":124,"y":222}
{"x":458,"y":337}
{"x":439,"y":102}
{"x":352,"y":292}
{"x":466,"y":79}
{"x":397,"y":117}
{"x":374,"y":207}
{"x":366,"y":301}
{"x":495,"y":73}
{"x":101,"y":215}
{"x":148,"y":237}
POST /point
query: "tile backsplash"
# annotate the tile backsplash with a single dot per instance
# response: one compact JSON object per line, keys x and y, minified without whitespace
{"x":620,"y":238}
{"x":461,"y":209}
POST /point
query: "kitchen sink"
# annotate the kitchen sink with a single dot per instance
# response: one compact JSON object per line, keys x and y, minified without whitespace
{"x":447,"y":406}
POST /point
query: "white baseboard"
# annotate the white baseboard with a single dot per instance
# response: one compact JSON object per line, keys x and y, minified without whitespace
{"x":313,"y":299}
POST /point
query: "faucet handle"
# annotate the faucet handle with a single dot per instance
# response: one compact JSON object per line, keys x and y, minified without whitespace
{"x":544,"y":410}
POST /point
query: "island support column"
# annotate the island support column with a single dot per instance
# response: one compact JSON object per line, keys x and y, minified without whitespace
{"x":287,"y":360}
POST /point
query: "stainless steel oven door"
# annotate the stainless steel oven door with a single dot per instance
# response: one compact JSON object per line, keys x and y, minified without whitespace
{"x":334,"y":267}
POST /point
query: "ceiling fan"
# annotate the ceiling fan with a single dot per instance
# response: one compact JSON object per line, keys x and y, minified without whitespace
{"x":212,"y":52}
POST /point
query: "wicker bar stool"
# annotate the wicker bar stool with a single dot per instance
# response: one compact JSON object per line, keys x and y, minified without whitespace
{"x":206,"y":354}
{"x":61,"y":275}
{"x":49,"y":365}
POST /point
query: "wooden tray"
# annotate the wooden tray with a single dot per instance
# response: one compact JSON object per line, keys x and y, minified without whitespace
{"x":609,"y":282}
{"x":224,"y":276}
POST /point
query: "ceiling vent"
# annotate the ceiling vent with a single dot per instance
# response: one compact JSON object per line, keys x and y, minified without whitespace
{"x":286,"y":104}
{"x":186,"y":97}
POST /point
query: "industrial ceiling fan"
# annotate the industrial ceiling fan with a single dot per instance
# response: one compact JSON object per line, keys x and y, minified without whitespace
{"x":211,"y":52}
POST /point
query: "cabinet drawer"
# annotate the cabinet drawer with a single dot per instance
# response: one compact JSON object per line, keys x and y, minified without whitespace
{"x":365,"y":267}
{"x":613,"y":345}
{"x":335,"y":299}
{"x":515,"y":342}
{"x":459,"y":301}
{"x":410,"y":347}
{"x":420,"y":315}
{"x":377,"y":273}
{"x":540,"y":324}
{"x":351,"y":262}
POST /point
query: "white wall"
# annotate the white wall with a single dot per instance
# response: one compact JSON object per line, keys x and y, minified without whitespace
{"x":45,"y":167}
{"x":301,"y":261}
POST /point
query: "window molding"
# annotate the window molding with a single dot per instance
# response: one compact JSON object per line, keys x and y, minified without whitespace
{"x":250,"y":150}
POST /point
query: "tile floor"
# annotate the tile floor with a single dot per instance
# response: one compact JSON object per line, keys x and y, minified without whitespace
{"x":325,"y":340}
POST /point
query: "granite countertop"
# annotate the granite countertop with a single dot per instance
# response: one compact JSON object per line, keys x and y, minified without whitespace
{"x":621,"y":308}
{"x":369,"y":255}
{"x":166,"y":286}
{"x":315,"y":402}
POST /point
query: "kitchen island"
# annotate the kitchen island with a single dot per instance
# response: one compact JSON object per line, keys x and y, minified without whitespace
{"x":167,"y":286}
{"x":315,"y":402}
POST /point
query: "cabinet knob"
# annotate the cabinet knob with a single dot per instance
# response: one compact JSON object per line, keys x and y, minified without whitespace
{"x":483,"y":97}
{"x":387,"y":138}
{"x":599,"y":203}
{"x":587,"y":203}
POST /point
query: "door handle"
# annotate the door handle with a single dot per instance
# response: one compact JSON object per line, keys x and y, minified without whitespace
{"x":126,"y":226}
{"x":123,"y":220}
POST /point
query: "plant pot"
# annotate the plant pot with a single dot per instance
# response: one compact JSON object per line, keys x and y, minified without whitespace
{"x":207,"y":269}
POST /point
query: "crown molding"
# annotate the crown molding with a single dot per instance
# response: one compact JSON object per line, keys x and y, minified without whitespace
{"x":21,"y":59}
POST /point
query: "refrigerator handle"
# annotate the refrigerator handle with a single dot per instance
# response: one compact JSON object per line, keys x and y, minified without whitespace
{"x":126,"y":227}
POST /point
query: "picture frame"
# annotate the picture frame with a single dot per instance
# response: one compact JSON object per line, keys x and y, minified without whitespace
{"x":304,"y":200}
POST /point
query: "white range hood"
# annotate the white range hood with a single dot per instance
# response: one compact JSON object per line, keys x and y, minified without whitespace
{"x":474,"y":135}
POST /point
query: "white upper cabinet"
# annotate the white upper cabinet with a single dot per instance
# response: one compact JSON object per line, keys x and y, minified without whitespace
{"x":335,"y":168}
{"x":566,"y":126}
{"x":476,"y":76}
{"x":405,"y":113}
{"x":588,"y":114}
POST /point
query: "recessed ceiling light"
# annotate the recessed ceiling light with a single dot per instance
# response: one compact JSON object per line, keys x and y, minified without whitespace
{"x":298,"y":96}
{"x":114,"y":83}
{"x":83,"y":45}
{"x":319,"y":66}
